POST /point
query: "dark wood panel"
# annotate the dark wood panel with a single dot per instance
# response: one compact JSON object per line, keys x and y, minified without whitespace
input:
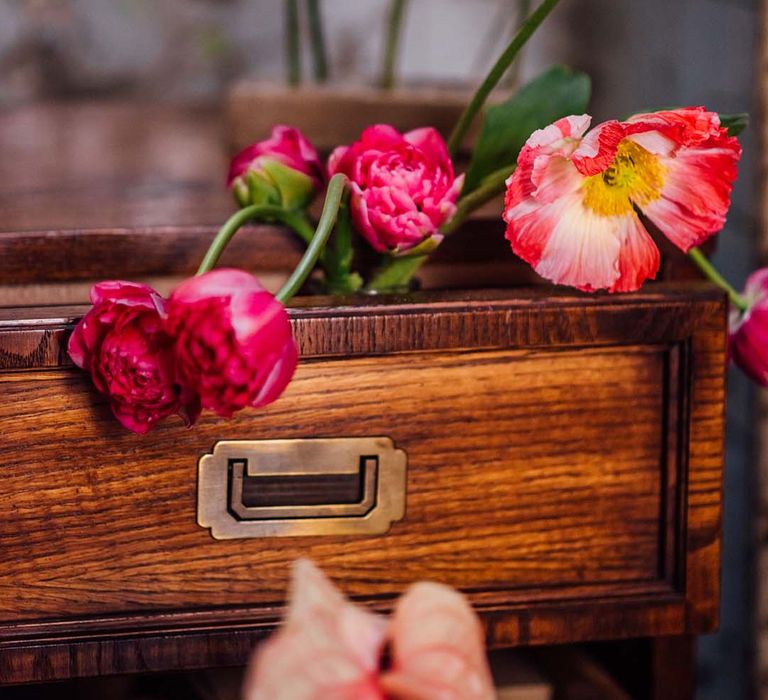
{"x":35,"y":337}
{"x":565,"y":469}
{"x":505,"y":491}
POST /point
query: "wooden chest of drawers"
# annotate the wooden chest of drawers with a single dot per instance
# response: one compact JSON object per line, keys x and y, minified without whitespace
{"x":564,"y":467}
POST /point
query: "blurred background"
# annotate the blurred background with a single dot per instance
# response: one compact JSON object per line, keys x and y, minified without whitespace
{"x":640,"y":55}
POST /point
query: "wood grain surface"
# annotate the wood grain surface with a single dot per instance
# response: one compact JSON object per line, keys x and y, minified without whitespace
{"x":565,"y":465}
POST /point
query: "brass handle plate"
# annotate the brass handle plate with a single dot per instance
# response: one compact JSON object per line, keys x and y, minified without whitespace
{"x":302,"y":487}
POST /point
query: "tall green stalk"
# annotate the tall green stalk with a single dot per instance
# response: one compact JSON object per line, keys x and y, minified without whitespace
{"x":392,"y":43}
{"x":292,"y":49}
{"x":497,"y":72}
{"x":523,"y":10}
{"x":317,"y":41}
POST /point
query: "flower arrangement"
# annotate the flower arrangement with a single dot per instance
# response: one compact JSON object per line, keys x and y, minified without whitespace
{"x":579,"y":207}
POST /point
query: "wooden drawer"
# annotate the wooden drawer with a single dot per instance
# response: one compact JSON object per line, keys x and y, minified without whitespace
{"x":564,"y":465}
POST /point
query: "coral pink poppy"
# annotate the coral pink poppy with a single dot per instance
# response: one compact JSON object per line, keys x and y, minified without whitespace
{"x":572,"y":203}
{"x":330,"y":649}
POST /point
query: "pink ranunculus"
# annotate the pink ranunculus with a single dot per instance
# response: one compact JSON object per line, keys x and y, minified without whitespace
{"x":403,"y":187}
{"x":748,"y":337}
{"x":284,"y":170}
{"x":233,"y":342}
{"x":330,"y":649}
{"x":123,"y":343}
{"x":572,"y":203}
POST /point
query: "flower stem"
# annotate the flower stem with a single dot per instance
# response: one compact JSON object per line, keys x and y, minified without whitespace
{"x":497,"y":72}
{"x":392,"y":45}
{"x":317,"y":39}
{"x":231,"y":227}
{"x":490,"y":187}
{"x":292,"y":54}
{"x":712,"y":274}
{"x":324,"y":228}
{"x":395,"y":274}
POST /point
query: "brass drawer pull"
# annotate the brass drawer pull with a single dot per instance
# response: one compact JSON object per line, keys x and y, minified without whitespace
{"x":303,"y":487}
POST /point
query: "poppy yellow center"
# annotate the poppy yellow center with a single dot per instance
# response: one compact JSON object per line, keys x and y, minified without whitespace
{"x":635,"y":177}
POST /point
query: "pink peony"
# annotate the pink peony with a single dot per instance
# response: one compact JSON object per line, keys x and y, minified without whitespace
{"x":122,"y":342}
{"x":571,"y":205}
{"x":403,"y":187}
{"x":283,"y":170}
{"x":748,"y":338}
{"x":330,"y":649}
{"x":233,"y":341}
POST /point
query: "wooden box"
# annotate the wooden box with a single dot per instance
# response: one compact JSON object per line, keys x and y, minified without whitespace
{"x":564,"y":468}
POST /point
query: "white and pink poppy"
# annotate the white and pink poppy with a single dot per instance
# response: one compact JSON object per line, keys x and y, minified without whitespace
{"x":573,"y":204}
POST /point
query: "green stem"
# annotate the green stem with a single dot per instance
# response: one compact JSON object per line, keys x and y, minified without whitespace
{"x":324,"y":227}
{"x":523,"y":10}
{"x":231,"y":227}
{"x":491,"y":186}
{"x":392,"y":44}
{"x":712,"y":274}
{"x":395,"y":274}
{"x":497,"y":72}
{"x":317,"y":40}
{"x":292,"y":54}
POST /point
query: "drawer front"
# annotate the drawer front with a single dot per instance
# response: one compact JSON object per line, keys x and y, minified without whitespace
{"x":542,"y":480}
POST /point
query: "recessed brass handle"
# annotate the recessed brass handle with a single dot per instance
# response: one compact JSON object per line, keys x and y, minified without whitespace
{"x":304,"y":487}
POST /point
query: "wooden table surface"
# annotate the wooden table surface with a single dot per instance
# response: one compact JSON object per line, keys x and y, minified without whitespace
{"x":102,"y":165}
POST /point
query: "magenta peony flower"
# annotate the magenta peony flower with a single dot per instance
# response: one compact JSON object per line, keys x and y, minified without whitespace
{"x":748,"y":338}
{"x":571,"y":205}
{"x":284,"y":170}
{"x":403,"y":187}
{"x":233,"y":342}
{"x":122,"y":342}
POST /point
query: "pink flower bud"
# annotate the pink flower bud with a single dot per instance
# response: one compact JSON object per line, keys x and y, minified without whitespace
{"x":284,"y":170}
{"x":233,"y":342}
{"x":748,"y":339}
{"x":403,"y":187}
{"x":122,"y":342}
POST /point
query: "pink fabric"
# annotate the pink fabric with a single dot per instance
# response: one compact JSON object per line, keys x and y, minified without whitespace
{"x":403,"y":186}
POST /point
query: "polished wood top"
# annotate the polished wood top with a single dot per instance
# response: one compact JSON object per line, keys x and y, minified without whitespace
{"x":114,"y":164}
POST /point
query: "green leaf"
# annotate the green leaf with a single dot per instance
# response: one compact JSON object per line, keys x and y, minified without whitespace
{"x":735,"y":123}
{"x":556,"y":93}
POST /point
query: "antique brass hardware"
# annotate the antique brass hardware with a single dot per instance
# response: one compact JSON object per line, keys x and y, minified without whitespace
{"x":302,"y":487}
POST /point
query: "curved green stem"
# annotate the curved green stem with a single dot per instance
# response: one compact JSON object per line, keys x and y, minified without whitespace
{"x":713,"y":275}
{"x":491,"y":186}
{"x":231,"y":227}
{"x":395,"y":274}
{"x":324,"y":228}
{"x":497,"y":72}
